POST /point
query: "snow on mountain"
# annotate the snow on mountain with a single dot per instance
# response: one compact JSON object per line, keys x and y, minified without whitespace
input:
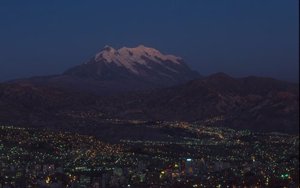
{"x":129,"y":57}
{"x":121,"y":70}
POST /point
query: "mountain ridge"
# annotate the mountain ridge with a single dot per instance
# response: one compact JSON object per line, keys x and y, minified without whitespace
{"x":126,"y":69}
{"x":143,"y":84}
{"x":259,"y":104}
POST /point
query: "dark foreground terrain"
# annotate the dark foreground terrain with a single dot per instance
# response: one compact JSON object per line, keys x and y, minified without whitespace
{"x":257,"y":104}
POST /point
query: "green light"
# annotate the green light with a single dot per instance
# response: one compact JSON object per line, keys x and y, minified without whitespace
{"x":284,"y":175}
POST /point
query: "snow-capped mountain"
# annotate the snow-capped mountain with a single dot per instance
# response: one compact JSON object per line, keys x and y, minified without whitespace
{"x":139,"y":63}
{"x":125,"y":69}
{"x":129,"y":57}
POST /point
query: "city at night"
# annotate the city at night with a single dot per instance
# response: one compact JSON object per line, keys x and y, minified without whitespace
{"x":149,"y":94}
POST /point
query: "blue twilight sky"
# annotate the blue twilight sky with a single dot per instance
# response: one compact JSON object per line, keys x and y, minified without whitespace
{"x":238,"y":37}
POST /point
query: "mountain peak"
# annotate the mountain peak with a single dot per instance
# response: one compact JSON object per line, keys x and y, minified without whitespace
{"x":142,"y":64}
{"x":131,"y":58}
{"x":141,"y":46}
{"x":108,"y":48}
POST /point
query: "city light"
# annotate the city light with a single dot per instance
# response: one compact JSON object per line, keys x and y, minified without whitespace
{"x":216,"y":162}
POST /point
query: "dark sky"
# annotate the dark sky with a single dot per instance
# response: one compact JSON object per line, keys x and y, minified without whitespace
{"x":238,"y":37}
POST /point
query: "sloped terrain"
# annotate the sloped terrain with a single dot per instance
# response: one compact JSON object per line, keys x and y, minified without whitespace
{"x":260,"y":104}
